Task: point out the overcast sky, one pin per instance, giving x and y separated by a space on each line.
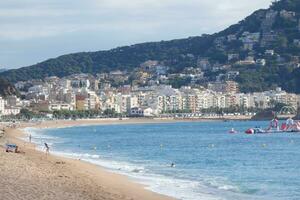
34 30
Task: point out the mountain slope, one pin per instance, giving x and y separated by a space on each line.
123 58
277 28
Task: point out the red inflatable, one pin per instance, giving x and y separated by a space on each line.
249 131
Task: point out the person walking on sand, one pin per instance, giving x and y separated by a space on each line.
29 138
47 148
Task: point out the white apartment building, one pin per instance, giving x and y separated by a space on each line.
219 101
92 100
134 102
62 106
2 106
124 101
13 101
11 111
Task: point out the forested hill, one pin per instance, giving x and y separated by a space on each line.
123 58
275 30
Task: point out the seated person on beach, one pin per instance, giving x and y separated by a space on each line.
17 150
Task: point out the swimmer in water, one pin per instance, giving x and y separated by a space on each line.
173 165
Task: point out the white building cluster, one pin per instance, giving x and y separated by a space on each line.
85 92
10 106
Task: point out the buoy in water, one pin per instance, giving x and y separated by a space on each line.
249 131
232 131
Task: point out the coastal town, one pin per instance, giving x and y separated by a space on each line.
226 81
152 98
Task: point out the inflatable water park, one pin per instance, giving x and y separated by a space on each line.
289 126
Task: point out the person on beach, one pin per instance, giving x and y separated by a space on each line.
47 148
29 138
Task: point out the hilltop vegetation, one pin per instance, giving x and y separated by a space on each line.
122 58
276 29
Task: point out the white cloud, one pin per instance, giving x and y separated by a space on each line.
99 22
69 15
31 12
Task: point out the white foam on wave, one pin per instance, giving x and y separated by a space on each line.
38 133
221 184
180 189
39 137
174 187
98 160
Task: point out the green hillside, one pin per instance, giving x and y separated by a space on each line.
277 29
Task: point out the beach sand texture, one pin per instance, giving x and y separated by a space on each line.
34 176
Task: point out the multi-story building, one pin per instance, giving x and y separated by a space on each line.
13 101
81 102
92 100
80 92
2 105
231 87
60 106
11 111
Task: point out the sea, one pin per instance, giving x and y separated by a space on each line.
209 163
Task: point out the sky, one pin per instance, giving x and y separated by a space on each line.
32 31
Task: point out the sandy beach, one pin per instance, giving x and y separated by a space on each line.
32 175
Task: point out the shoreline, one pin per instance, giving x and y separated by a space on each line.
82 174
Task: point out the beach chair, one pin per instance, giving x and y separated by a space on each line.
11 148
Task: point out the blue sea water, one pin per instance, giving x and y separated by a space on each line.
210 162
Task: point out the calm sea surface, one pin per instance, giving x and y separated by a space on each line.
210 162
